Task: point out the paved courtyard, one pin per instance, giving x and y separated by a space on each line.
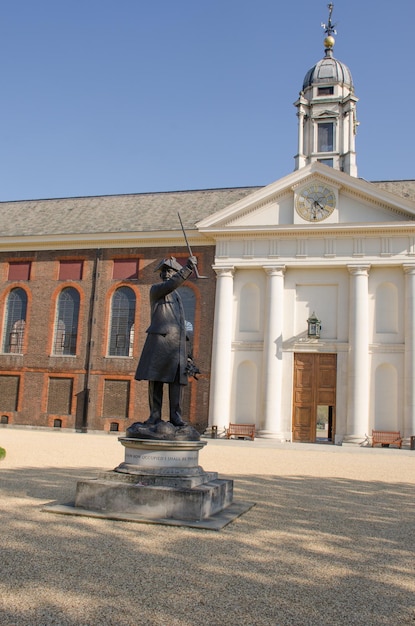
331 540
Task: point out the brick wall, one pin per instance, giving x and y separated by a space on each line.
37 365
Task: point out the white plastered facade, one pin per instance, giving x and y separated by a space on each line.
355 270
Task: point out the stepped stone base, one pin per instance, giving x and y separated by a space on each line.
159 479
159 482
118 493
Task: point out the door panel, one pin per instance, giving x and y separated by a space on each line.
303 396
302 426
314 385
326 397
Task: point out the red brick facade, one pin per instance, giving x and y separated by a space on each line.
40 388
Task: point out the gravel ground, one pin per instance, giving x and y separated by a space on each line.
330 541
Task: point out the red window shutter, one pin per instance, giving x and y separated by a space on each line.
70 270
125 268
19 270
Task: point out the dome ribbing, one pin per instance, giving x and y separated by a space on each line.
328 71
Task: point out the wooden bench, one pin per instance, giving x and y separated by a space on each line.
386 438
241 430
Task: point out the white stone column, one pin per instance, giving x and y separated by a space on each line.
300 160
409 373
349 162
220 375
351 147
300 148
272 375
358 370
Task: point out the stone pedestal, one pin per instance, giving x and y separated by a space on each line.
157 480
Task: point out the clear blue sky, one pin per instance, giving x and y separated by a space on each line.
125 96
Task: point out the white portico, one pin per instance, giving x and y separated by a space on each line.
318 242
357 274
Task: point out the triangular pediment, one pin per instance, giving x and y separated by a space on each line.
358 203
328 113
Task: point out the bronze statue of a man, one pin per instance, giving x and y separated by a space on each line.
164 358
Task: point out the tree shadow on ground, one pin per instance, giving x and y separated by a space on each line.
312 551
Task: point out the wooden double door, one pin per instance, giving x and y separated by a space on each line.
314 394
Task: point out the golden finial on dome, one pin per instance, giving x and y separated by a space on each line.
329 29
329 42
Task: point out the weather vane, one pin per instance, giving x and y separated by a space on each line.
329 28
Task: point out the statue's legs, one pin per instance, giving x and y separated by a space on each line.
175 401
155 401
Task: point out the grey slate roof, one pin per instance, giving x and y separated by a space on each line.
142 212
403 188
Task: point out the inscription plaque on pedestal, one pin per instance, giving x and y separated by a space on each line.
143 453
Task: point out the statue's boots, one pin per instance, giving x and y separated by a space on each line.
178 422
152 421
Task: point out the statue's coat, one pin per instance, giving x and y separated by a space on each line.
165 348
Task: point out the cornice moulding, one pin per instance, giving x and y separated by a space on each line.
103 240
309 231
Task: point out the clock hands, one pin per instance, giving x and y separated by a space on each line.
315 203
317 208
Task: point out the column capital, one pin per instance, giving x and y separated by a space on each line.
274 270
224 271
359 270
409 268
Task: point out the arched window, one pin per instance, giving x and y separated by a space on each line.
189 305
66 324
15 321
122 322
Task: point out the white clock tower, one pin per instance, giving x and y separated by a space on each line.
327 112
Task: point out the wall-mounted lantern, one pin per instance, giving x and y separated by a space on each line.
314 327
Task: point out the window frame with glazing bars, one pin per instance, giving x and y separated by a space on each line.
66 322
122 322
15 321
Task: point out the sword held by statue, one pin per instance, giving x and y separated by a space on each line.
196 271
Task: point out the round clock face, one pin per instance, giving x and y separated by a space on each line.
315 202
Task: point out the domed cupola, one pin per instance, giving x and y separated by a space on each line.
327 112
327 72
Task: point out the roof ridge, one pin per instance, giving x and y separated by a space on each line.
138 193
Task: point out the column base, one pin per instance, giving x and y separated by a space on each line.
275 435
356 440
